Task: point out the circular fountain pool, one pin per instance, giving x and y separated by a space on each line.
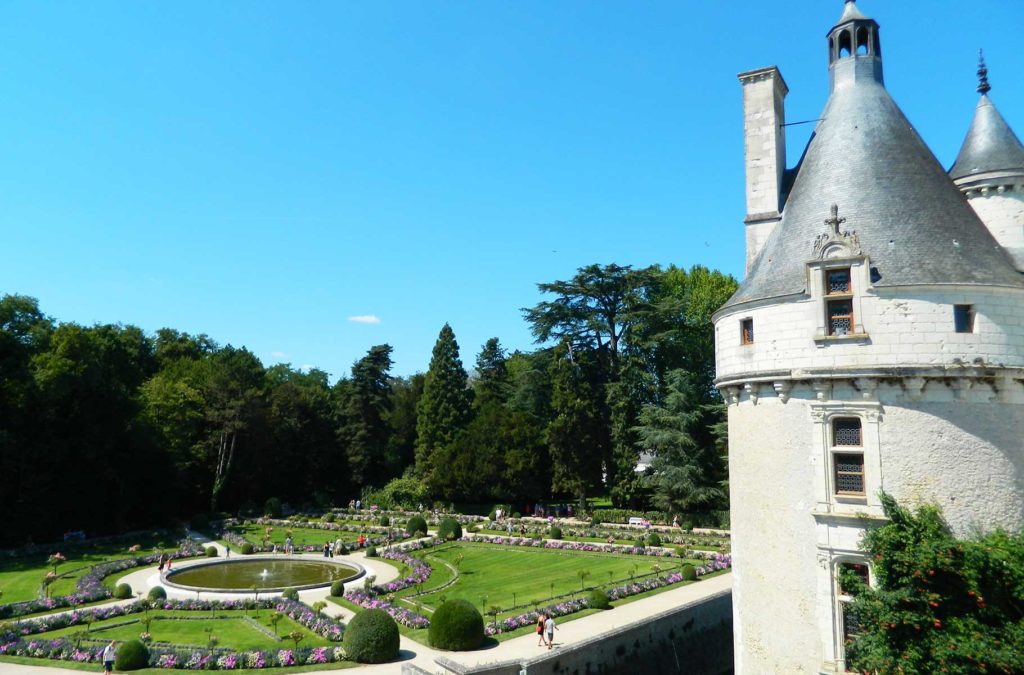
261 574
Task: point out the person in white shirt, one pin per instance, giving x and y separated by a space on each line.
108 657
549 630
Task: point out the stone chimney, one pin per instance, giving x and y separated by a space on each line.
764 141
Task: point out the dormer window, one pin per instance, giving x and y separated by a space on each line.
839 302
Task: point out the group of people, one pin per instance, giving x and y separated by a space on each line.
546 630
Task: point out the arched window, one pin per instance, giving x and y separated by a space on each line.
862 41
845 45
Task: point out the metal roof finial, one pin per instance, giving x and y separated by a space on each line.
983 86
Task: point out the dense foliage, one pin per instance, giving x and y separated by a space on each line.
371 637
449 529
416 525
456 626
226 433
938 604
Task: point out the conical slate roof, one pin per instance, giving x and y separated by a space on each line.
990 145
913 223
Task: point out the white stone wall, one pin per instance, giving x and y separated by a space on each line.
1002 211
959 449
914 329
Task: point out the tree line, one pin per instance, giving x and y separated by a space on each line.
104 427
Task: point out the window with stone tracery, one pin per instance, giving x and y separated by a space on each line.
848 456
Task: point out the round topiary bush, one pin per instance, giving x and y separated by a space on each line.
456 626
157 593
689 573
598 599
272 507
211 552
639 543
416 525
653 539
493 515
122 591
290 594
385 521
371 637
247 549
449 529
338 589
555 533
371 552
131 655
327 517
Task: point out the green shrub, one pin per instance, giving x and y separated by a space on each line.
272 507
122 591
371 637
555 532
681 552
344 550
247 549
416 525
493 515
385 521
689 573
639 543
290 594
131 655
371 552
327 517
598 599
516 515
211 552
472 527
594 522
653 539
449 529
157 593
338 588
456 626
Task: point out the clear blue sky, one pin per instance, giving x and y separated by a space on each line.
262 172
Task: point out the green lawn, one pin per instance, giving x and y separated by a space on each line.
20 578
301 536
508 576
229 627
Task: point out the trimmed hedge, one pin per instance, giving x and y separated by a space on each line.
371 637
653 539
371 552
211 552
131 655
598 599
247 549
456 626
385 521
157 593
688 572
555 532
290 594
338 589
449 529
416 524
122 591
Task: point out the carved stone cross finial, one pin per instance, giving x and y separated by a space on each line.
835 221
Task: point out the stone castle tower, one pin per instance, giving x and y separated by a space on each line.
877 343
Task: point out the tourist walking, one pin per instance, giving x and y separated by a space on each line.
550 628
540 630
227 551
109 653
327 550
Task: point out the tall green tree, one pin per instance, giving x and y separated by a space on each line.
492 378
444 409
578 436
688 474
366 406
405 395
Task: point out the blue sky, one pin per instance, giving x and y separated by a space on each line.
263 172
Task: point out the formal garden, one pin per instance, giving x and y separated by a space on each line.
64 602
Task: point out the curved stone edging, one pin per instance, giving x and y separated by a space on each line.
360 572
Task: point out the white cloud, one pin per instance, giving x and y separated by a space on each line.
278 355
307 367
365 318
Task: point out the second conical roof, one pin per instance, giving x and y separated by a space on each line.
990 145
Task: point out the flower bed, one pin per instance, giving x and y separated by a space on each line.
624 533
558 544
16 640
90 586
406 617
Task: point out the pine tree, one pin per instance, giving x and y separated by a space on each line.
492 381
444 408
366 406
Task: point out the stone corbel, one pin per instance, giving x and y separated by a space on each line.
782 389
914 386
822 390
732 394
866 386
961 386
752 389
